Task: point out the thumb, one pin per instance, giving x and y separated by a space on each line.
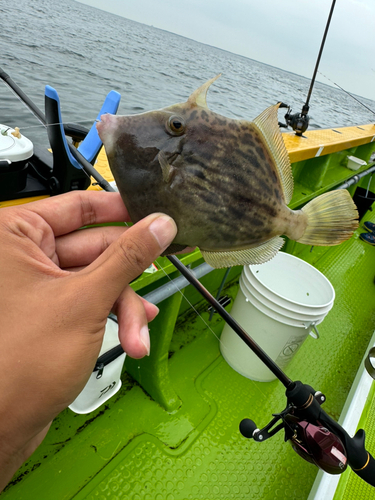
128 256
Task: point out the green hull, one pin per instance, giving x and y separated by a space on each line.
171 432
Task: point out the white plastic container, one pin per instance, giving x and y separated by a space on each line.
278 304
13 148
355 163
105 383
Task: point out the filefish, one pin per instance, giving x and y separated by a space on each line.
225 182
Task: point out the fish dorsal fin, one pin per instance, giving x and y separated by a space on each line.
267 123
257 255
198 98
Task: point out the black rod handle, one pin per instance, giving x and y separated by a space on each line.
359 459
367 472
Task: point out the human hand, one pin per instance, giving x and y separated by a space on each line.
58 286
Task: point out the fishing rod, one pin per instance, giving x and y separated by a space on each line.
314 435
86 166
300 121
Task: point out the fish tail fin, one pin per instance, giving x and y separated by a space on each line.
331 219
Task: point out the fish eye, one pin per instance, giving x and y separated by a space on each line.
175 125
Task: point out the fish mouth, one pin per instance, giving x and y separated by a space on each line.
104 124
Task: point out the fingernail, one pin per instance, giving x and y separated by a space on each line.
164 230
145 338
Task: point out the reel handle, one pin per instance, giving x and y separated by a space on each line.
247 428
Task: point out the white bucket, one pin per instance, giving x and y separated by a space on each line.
278 304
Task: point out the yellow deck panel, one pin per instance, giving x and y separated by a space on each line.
325 141
102 167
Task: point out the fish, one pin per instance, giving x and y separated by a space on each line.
226 182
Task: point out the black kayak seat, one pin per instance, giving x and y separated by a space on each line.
67 173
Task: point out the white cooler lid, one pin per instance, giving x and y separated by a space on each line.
13 148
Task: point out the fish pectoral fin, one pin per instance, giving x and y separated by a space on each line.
167 169
256 255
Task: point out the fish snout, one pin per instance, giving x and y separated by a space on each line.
105 125
107 129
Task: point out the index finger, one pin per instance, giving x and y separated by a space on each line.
70 211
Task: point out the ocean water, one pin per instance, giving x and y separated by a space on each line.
85 52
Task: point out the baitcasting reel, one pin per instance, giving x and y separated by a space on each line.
298 121
313 442
315 436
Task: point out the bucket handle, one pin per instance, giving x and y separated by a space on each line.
314 335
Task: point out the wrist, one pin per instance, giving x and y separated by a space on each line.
15 449
10 461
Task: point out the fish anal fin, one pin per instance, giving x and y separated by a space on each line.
168 170
255 255
267 123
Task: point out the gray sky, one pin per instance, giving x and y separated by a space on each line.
283 33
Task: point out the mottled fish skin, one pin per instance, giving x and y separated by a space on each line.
225 182
219 181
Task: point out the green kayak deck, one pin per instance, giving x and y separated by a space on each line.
132 448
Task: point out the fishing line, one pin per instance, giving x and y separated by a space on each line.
188 301
37 116
346 92
89 120
201 317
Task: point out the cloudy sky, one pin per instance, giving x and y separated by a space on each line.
283 33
